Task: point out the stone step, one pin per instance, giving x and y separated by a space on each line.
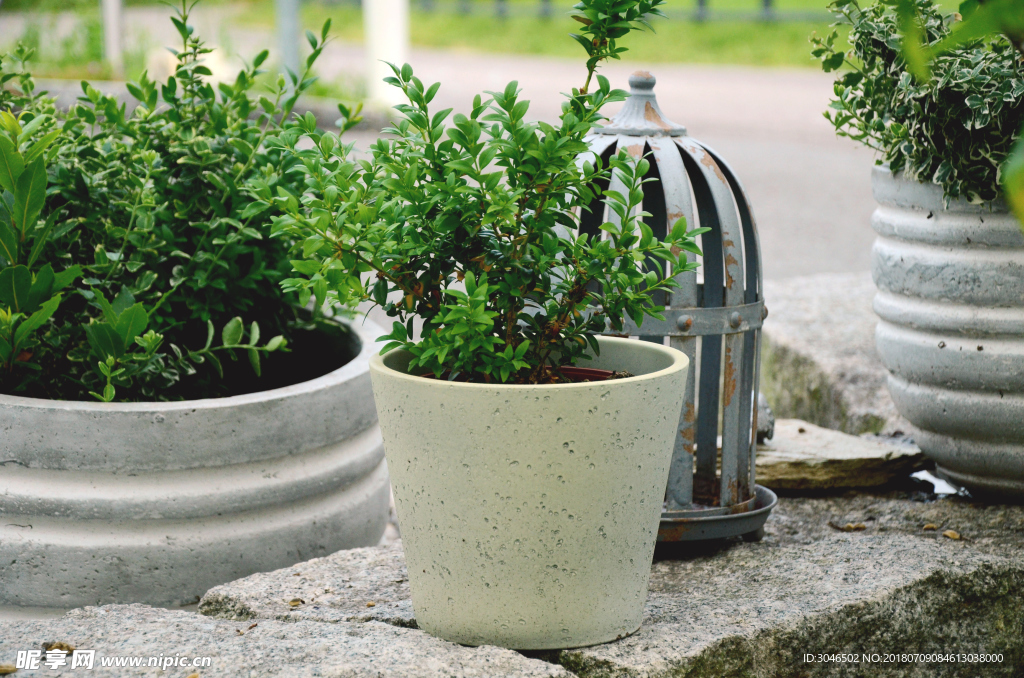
738 609
802 458
301 649
819 362
942 576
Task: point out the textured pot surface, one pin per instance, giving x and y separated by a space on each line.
529 513
158 502
951 302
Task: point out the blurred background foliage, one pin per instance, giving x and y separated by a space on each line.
731 31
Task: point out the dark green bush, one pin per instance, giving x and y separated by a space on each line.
144 222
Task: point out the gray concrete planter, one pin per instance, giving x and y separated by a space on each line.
158 502
951 302
529 513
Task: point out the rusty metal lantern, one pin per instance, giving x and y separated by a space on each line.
715 319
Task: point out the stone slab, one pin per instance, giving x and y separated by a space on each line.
996 529
819 362
802 457
736 609
298 649
337 588
756 610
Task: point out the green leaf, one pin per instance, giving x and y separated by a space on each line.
66 277
275 343
305 266
131 323
35 321
320 292
123 301
679 229
232 332
103 340
11 164
254 334
42 288
311 245
215 361
30 127
8 241
39 147
254 360
41 236
5 351
15 284
108 311
29 195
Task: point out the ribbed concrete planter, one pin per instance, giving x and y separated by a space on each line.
158 502
951 302
529 513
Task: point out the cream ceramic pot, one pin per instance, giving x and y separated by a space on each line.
529 513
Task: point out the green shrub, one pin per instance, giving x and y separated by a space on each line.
135 233
955 130
472 226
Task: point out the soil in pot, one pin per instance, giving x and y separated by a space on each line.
575 375
315 350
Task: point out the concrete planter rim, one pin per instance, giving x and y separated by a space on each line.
338 376
679 362
937 201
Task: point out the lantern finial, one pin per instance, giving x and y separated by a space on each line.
640 115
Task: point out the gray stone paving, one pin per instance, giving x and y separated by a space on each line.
914 576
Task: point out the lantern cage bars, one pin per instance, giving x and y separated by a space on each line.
714 317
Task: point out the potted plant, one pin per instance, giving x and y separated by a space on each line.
949 258
529 456
155 444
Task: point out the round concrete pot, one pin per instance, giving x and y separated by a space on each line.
951 302
529 513
158 502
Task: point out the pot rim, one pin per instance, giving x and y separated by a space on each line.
933 198
366 333
679 362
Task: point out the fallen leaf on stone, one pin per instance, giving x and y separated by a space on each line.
930 526
297 574
252 626
240 632
58 646
801 430
951 534
7 669
295 602
848 527
192 675
371 604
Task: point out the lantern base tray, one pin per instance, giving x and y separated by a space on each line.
697 527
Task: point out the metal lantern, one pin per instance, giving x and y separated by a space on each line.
714 317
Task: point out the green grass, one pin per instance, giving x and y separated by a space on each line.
720 42
749 42
741 42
